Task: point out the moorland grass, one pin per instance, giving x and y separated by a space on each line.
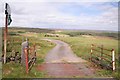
81 46
16 70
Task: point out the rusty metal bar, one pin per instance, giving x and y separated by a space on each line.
26 59
97 55
33 61
104 49
106 59
107 54
96 50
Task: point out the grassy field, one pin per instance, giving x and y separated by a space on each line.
15 70
80 44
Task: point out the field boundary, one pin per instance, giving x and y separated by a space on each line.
29 60
102 56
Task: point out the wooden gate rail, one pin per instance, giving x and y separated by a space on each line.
101 51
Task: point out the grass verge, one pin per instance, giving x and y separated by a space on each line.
16 70
81 47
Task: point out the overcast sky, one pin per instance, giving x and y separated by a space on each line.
102 15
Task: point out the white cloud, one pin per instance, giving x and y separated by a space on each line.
44 14
60 0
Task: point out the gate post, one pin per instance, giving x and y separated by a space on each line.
91 51
113 59
24 45
26 58
101 52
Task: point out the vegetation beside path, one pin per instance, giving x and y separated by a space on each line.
16 70
80 45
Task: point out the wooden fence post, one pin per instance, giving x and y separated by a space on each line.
26 59
34 50
101 52
113 59
5 38
91 52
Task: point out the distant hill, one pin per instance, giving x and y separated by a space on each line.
37 30
72 33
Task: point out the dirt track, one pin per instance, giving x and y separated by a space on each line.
61 53
62 62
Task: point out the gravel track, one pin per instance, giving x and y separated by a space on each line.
62 62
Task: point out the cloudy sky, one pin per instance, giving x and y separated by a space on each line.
102 15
